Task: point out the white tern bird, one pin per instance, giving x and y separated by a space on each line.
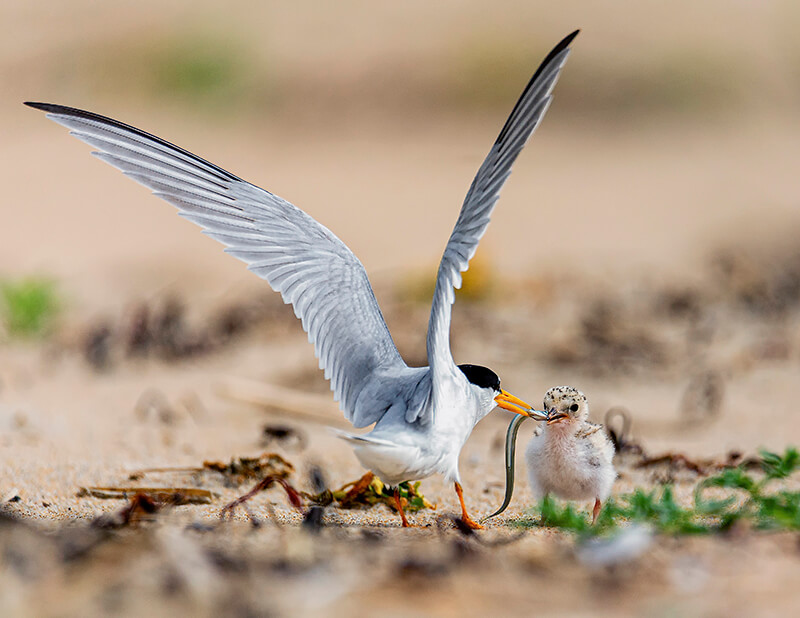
422 416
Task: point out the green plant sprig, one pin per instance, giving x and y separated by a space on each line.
749 501
28 307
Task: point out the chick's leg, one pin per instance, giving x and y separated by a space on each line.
596 510
464 515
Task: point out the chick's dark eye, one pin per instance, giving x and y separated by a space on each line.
574 407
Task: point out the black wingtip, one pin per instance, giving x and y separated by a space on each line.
559 48
42 106
568 39
52 108
63 110
562 45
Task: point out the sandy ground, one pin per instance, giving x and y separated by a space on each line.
66 425
605 273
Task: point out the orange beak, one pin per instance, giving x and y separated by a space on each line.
507 401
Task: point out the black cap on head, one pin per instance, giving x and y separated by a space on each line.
481 376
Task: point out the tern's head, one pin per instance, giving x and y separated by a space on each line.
486 385
566 406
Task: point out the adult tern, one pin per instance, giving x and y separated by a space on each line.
422 415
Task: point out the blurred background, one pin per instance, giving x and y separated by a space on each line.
673 128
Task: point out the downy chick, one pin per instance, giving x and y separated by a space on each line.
570 457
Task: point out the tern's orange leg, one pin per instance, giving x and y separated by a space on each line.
399 506
470 523
595 510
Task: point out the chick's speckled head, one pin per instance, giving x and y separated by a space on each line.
566 403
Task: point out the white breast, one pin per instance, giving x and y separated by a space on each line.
568 467
398 451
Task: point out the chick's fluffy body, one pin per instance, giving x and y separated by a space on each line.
571 458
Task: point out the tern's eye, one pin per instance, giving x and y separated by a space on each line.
574 407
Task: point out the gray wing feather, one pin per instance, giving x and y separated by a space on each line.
397 396
311 268
481 198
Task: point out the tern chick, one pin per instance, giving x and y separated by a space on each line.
568 456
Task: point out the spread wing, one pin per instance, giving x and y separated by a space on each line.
311 268
481 198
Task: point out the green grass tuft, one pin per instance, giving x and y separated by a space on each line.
199 68
780 466
28 307
196 68
658 508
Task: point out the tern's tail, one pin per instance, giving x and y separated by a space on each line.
392 462
359 439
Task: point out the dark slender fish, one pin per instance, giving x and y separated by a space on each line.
511 449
